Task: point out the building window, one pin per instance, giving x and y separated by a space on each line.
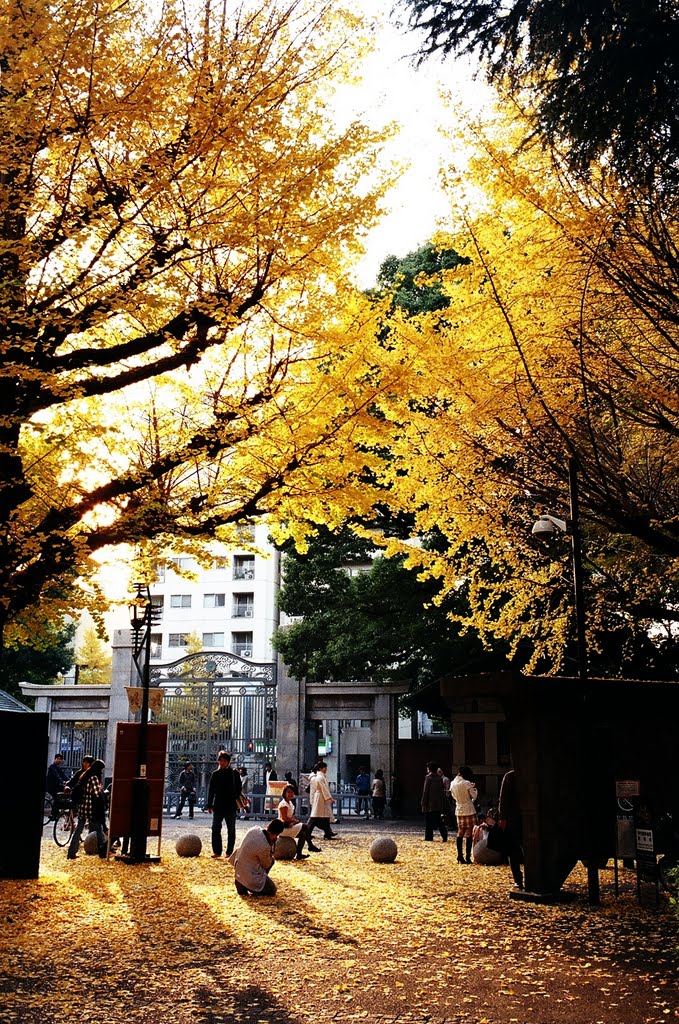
246 532
181 563
213 639
214 600
180 600
475 742
244 567
157 601
241 644
178 639
159 571
243 606
156 645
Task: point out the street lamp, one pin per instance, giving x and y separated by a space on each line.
76 679
548 524
142 617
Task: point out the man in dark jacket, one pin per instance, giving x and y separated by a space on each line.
433 803
57 777
223 791
187 790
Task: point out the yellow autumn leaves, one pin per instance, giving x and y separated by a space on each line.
183 342
345 939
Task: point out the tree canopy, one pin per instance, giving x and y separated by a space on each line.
560 339
413 282
93 655
181 348
601 76
37 664
364 616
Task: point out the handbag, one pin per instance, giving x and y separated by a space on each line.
242 803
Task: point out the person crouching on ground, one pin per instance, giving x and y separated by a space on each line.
482 850
294 828
254 858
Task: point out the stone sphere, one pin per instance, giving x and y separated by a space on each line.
91 843
188 845
383 850
285 848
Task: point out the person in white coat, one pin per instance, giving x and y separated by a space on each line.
254 858
321 802
464 793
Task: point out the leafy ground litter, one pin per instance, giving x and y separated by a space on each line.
422 940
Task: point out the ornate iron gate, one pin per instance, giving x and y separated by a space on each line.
215 701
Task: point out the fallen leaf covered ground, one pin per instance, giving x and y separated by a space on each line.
420 940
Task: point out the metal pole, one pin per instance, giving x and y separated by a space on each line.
140 786
578 589
586 742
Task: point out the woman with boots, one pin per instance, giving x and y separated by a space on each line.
294 828
464 793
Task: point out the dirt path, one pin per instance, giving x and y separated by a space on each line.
420 940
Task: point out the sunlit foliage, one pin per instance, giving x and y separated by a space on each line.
560 340
180 347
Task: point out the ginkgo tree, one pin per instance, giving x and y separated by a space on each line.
180 345
560 340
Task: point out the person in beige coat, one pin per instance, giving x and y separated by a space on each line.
254 858
321 802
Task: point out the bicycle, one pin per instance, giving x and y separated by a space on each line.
64 826
47 809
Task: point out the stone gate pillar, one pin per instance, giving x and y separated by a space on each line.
290 718
123 673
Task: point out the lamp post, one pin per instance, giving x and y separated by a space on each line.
547 524
76 679
141 620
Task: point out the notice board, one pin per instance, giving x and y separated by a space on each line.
125 771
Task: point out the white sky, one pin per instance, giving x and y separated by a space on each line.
396 90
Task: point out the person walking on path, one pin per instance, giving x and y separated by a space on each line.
321 802
187 790
433 804
379 795
254 858
90 804
294 828
363 792
244 804
464 793
223 791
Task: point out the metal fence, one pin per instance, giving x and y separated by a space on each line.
76 739
213 702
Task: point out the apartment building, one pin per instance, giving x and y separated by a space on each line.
231 606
